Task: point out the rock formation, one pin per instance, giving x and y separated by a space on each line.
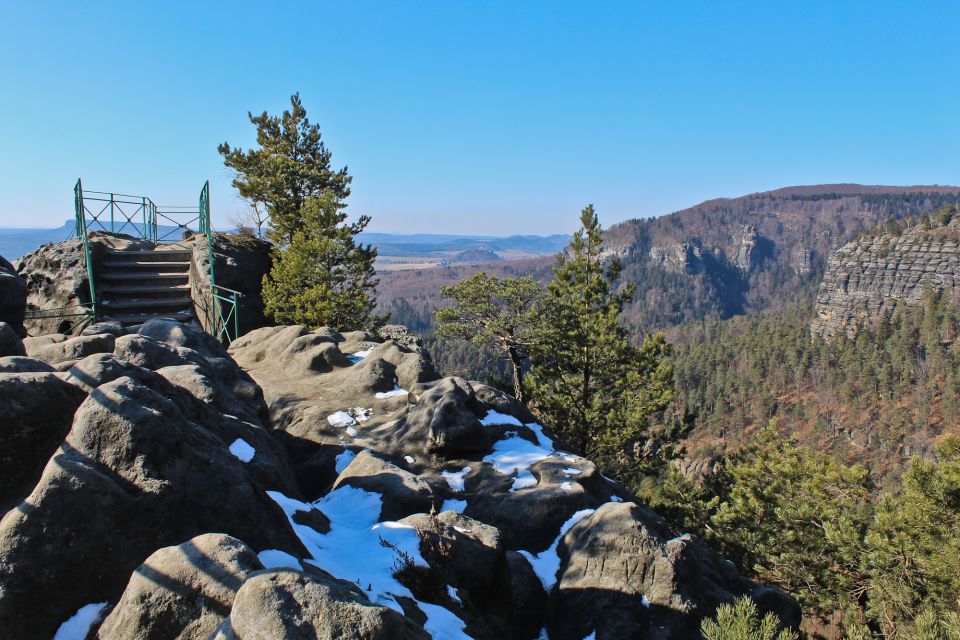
315 484
870 276
13 297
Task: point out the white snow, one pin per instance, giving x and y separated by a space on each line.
78 625
352 549
513 453
360 414
242 450
351 432
542 439
495 417
571 471
567 486
592 636
344 459
524 480
359 355
546 563
442 624
409 459
396 391
455 478
645 602
616 499
454 595
453 505
340 419
276 559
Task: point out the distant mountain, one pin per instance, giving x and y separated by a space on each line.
15 242
479 255
432 245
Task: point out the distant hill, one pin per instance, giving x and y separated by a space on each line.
479 255
15 241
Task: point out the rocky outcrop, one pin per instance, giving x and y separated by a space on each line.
682 257
13 297
867 278
240 262
318 484
743 243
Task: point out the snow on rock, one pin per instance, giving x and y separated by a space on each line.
396 391
359 355
524 480
242 450
360 414
442 624
455 478
78 625
352 549
546 563
276 559
592 636
567 486
514 454
453 505
409 459
454 595
495 417
344 459
341 419
571 471
544 441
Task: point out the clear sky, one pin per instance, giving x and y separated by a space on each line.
480 117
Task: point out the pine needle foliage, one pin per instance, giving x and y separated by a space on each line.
742 621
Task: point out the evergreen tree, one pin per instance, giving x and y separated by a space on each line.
494 311
587 381
913 546
741 621
323 278
291 165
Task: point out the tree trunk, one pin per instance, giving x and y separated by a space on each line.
517 374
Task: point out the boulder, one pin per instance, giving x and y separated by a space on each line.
22 364
10 342
276 605
143 467
623 575
36 410
72 349
101 368
182 592
13 297
112 327
403 492
527 597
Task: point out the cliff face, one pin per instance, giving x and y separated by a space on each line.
869 277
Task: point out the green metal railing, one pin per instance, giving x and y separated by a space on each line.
138 216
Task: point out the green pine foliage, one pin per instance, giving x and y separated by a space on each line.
291 165
742 621
323 277
587 381
497 311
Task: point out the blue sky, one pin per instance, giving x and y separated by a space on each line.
469 117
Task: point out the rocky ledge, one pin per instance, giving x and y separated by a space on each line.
313 484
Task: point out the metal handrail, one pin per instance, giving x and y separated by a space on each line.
223 313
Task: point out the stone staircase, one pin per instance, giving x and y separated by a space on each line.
136 286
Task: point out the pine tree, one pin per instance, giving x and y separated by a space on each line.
587 381
323 278
291 165
491 310
741 621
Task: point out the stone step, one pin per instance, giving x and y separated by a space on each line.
152 265
146 305
145 290
128 319
130 277
159 255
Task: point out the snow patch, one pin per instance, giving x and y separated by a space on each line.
645 602
616 499
359 355
455 478
571 471
542 439
567 486
453 505
546 563
524 480
242 450
276 559
344 459
514 454
592 636
409 459
442 624
495 417
396 391
454 595
340 419
77 626
360 414
351 432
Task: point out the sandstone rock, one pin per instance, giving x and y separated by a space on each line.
140 469
101 368
10 343
528 599
73 348
182 592
403 492
22 364
623 559
36 410
277 605
112 327
13 297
